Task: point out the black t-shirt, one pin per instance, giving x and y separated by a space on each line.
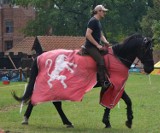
96 27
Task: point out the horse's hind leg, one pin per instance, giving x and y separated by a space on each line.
32 79
65 120
105 119
128 102
27 113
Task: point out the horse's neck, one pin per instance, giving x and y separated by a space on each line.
127 61
125 55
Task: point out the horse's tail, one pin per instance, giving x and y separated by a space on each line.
49 61
28 93
19 99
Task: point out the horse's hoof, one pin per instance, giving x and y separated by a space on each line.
69 126
7 131
128 124
108 126
24 123
107 123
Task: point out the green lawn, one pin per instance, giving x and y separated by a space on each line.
86 115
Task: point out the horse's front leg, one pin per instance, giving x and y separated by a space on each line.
128 102
65 120
105 119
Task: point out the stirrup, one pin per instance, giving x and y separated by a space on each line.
106 84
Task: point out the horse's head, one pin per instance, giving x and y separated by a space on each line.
145 54
136 46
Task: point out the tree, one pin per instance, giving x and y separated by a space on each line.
156 34
149 19
64 17
124 17
70 17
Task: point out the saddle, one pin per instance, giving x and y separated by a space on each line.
83 51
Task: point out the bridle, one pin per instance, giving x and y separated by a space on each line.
145 43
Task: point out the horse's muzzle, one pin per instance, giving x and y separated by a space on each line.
148 68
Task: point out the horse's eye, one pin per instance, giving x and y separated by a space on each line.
145 40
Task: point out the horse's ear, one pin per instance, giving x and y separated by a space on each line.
152 39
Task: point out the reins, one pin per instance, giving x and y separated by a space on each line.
143 57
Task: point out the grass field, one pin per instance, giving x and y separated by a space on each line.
86 115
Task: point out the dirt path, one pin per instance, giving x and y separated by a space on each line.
9 108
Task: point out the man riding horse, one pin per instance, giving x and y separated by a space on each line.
94 36
81 78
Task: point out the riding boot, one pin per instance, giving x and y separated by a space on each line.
105 83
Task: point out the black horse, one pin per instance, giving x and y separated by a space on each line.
134 46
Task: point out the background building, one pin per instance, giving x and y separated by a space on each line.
12 21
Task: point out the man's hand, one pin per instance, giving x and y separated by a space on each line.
107 43
100 47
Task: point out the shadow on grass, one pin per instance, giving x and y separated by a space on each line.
63 129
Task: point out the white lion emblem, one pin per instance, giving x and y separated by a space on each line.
60 65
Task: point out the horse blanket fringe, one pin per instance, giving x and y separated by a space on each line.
65 75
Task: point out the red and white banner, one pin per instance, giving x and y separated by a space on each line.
65 75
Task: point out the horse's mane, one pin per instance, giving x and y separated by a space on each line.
128 42
136 35
128 48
